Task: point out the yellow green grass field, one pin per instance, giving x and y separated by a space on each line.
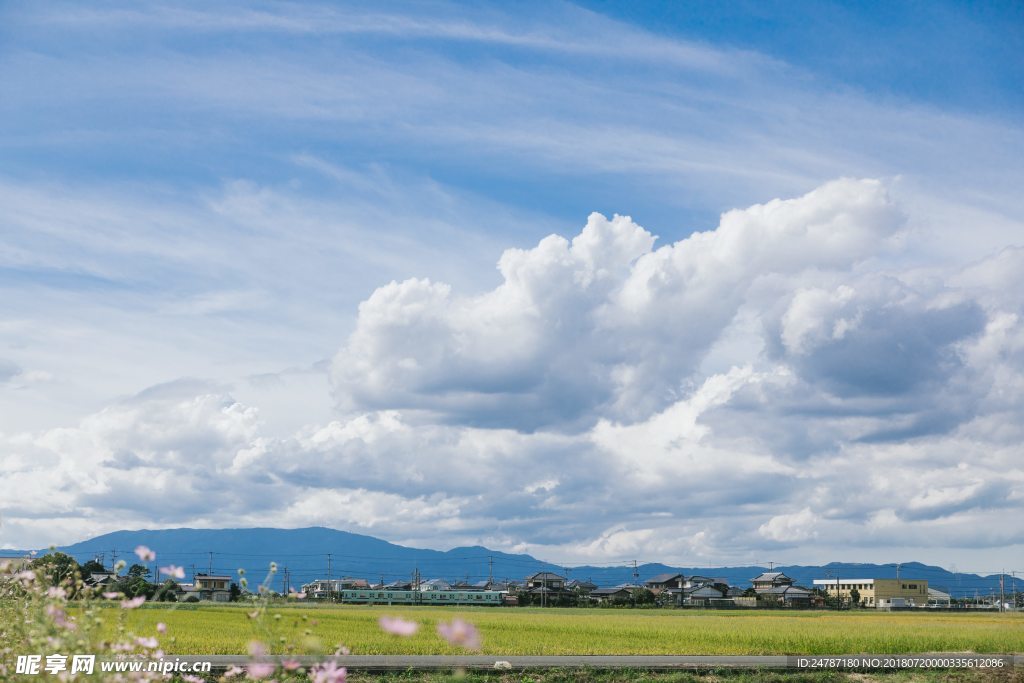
209 629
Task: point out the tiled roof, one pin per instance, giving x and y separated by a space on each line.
664 578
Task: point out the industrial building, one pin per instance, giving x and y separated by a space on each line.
878 592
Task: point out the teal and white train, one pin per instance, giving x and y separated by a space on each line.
372 596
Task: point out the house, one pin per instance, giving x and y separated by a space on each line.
661 582
398 586
616 594
585 587
698 581
878 592
323 588
496 585
768 580
184 591
467 587
213 587
435 585
547 580
101 580
787 596
701 596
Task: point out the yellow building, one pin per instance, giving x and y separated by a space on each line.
878 592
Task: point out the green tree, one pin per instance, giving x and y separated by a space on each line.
57 567
235 592
92 567
138 571
855 597
134 585
167 592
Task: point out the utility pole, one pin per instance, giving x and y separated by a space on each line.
113 559
211 563
1002 576
771 566
328 571
490 571
636 573
897 571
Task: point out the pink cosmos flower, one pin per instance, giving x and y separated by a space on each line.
232 672
59 617
192 679
56 592
145 554
398 626
173 571
257 649
161 627
290 664
296 594
114 595
133 603
328 673
342 651
148 643
460 633
259 670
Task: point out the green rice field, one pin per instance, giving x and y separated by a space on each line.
212 629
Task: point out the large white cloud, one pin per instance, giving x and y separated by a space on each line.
602 325
572 411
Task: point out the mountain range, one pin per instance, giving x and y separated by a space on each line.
303 555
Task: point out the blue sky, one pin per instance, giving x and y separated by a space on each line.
204 207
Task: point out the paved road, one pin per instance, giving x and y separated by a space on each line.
645 662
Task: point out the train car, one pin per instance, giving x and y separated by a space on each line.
383 596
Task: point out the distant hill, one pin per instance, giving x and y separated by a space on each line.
309 553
